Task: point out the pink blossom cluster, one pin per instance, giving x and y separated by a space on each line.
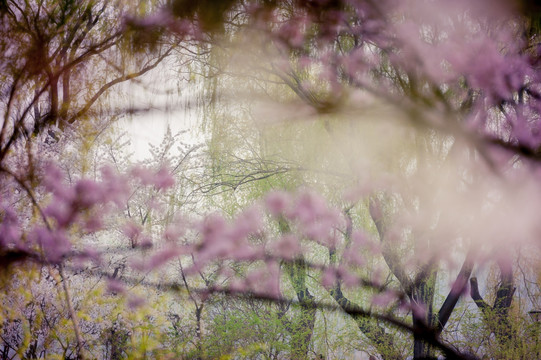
466 64
81 205
161 179
69 202
223 240
315 219
249 238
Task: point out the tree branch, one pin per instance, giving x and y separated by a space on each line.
456 292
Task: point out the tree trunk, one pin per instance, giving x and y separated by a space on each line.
303 327
198 333
423 296
496 317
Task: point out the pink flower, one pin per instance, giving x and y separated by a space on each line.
175 231
377 277
90 253
384 299
93 223
288 247
348 278
353 256
237 285
272 287
53 179
245 252
329 278
115 186
55 245
163 179
248 222
310 205
292 31
132 230
115 287
62 212
145 242
138 264
88 193
277 202
213 229
163 256
265 281
145 175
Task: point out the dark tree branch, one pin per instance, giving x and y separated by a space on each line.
496 317
456 292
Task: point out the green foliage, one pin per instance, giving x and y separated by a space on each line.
245 332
